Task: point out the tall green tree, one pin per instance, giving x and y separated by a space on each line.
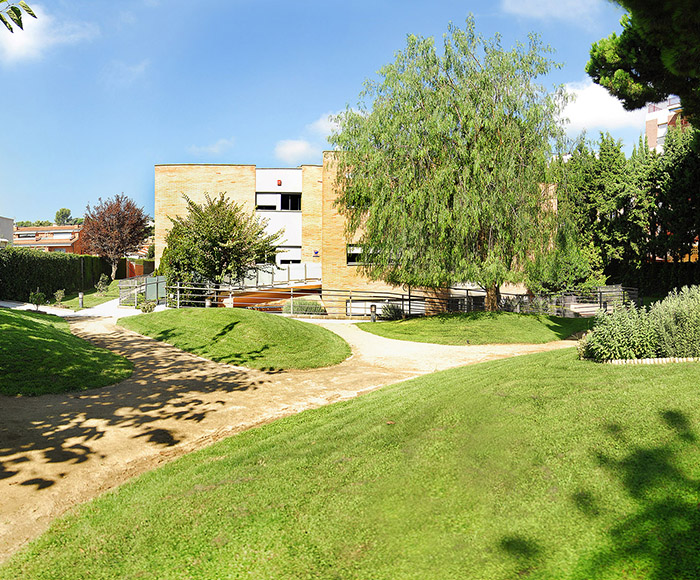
216 240
677 180
656 55
440 166
11 13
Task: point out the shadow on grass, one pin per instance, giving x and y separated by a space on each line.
525 553
62 428
661 540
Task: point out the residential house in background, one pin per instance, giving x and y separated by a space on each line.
64 239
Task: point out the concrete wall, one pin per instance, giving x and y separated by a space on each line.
7 226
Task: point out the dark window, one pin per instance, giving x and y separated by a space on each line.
265 207
283 262
353 255
291 201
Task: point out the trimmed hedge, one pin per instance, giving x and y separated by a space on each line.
23 271
670 328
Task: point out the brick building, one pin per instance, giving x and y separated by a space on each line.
64 239
300 200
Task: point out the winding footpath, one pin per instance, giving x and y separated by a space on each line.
58 451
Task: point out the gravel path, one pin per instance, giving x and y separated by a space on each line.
57 451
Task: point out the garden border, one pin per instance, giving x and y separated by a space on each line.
652 361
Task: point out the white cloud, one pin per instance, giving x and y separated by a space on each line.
119 74
41 34
217 148
323 126
579 11
595 109
297 151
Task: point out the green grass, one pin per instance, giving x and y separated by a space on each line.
243 337
39 355
480 328
542 467
90 297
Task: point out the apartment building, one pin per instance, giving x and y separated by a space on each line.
660 117
64 239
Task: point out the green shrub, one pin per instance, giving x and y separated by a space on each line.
623 334
671 328
37 298
676 320
391 311
102 285
148 306
59 295
304 307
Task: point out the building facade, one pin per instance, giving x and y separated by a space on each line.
65 239
7 226
660 117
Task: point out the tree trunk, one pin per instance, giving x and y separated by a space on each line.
115 265
493 297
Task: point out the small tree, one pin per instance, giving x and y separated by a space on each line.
216 239
441 177
114 228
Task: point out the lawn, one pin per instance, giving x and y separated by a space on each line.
91 297
243 337
39 355
539 466
480 328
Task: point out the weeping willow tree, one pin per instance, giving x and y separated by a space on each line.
440 166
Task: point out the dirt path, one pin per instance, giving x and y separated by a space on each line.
57 451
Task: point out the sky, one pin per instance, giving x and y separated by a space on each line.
96 92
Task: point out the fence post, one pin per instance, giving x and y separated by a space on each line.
178 294
409 301
350 303
292 306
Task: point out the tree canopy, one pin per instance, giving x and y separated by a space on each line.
114 228
656 55
11 13
63 217
216 240
441 165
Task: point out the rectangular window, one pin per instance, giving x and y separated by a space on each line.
283 262
291 202
265 208
353 255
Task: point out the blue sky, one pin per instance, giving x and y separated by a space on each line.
95 92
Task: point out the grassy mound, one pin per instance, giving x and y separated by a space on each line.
243 337
480 328
91 297
539 466
39 355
